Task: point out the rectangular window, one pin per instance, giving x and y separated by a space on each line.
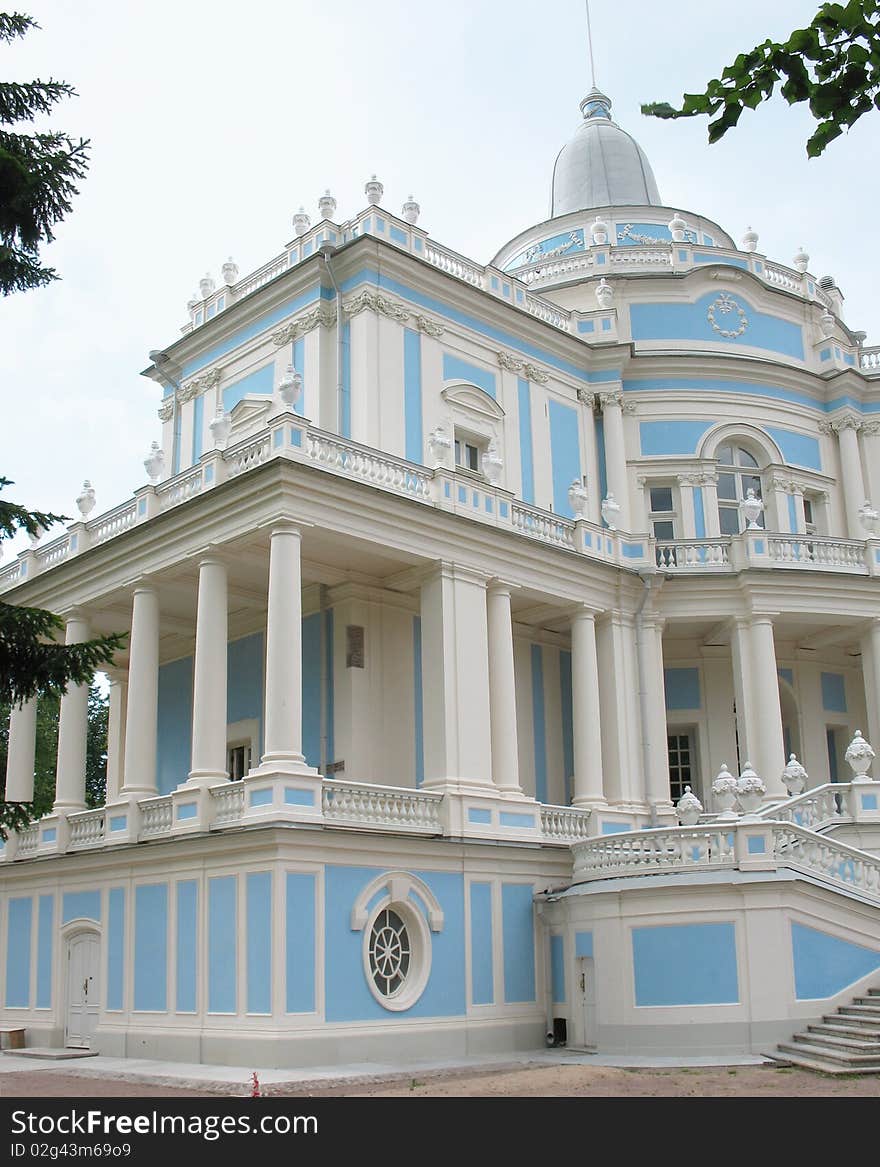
682 764
467 453
238 760
662 517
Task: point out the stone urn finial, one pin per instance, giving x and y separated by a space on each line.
688 808
327 205
869 519
290 387
749 790
610 511
154 463
677 227
374 191
750 240
192 303
206 285
794 776
411 210
492 463
86 500
859 755
724 793
439 445
599 231
801 260
220 425
301 222
577 498
604 294
229 271
750 508
827 324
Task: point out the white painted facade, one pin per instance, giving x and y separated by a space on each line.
446 581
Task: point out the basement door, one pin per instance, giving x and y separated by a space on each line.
587 998
83 989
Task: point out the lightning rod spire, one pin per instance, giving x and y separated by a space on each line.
590 44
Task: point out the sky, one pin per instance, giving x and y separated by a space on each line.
211 122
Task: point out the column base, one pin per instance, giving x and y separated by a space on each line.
122 817
292 794
199 778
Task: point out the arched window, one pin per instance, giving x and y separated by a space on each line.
738 472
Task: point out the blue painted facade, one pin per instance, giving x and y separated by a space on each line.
299 957
456 369
259 941
685 964
45 949
261 381
666 321
539 727
174 738
565 453
412 394
116 948
19 921
557 969
527 465
151 947
222 944
833 692
682 688
519 942
482 970
825 965
659 438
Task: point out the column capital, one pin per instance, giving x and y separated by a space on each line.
612 397
497 586
849 421
584 612
285 525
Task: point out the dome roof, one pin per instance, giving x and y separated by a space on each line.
602 166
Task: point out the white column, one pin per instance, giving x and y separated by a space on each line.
21 752
502 690
871 676
585 711
455 681
591 456
768 747
116 714
851 472
871 445
746 704
73 719
615 455
653 710
209 684
283 733
618 691
142 716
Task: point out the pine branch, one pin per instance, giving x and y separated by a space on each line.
23 101
15 518
13 24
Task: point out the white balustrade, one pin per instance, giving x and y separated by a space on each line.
631 257
229 803
86 829
653 851
180 488
247 455
869 359
356 461
547 312
261 276
693 554
564 823
804 850
10 575
817 551
356 804
53 553
454 265
112 523
783 277
156 816
28 840
543 525
552 270
814 809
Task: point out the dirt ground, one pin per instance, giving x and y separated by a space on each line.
525 1082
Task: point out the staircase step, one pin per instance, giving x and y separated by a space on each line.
859 1013
858 1045
814 1063
869 1001
835 1026
822 1053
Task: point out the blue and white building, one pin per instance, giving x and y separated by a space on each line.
448 580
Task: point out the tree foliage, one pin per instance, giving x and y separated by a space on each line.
38 172
833 65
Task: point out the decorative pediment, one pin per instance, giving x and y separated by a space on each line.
473 400
252 409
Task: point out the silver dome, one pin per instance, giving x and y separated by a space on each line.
602 166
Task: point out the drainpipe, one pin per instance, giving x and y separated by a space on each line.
323 703
327 249
549 1033
162 361
652 582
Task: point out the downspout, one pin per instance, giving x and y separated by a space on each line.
540 910
322 649
652 582
326 250
159 359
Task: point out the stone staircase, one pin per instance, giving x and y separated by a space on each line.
845 1042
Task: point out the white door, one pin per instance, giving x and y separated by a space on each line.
83 989
587 993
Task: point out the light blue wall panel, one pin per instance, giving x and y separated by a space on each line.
455 369
833 693
526 453
797 449
412 394
682 688
418 702
174 753
599 424
565 454
261 381
116 948
699 513
519 942
792 514
76 905
311 688
151 947
258 891
347 996
18 952
539 723
824 965
45 931
666 321
583 944
222 929
482 979
685 964
244 690
658 438
299 363
346 380
299 916
187 944
557 969
329 685
198 423
567 728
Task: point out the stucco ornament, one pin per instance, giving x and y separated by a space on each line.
827 323
610 511
290 387
869 519
749 789
794 776
577 499
206 285
859 755
154 463
604 294
229 271
750 240
411 210
439 445
599 231
677 228
86 499
301 221
725 311
751 507
374 191
688 808
801 260
724 793
327 205
492 463
220 425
